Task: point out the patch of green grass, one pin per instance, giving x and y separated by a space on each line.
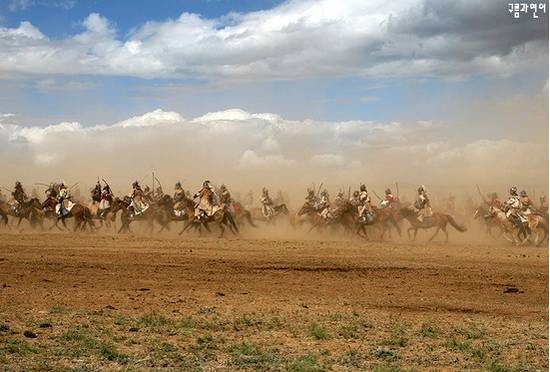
495 366
318 332
204 347
110 352
458 345
251 355
386 354
470 332
306 363
400 341
386 368
17 347
350 331
354 359
153 320
428 330
59 309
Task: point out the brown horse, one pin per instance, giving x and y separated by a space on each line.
243 215
82 215
437 220
222 217
385 218
29 210
166 212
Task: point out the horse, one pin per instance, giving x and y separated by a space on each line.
28 209
437 220
222 217
82 215
382 217
279 209
168 207
128 215
242 214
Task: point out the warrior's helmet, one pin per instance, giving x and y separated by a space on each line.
222 187
421 189
264 191
388 191
310 192
363 187
17 184
206 184
324 193
514 191
135 184
178 185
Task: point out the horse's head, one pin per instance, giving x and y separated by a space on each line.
307 208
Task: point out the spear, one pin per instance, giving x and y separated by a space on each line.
76 184
319 190
397 188
375 194
479 191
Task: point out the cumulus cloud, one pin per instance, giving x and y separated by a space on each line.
254 149
296 39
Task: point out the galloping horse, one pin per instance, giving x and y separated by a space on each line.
278 210
82 215
218 215
437 220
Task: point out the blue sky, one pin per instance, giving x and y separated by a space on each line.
45 98
421 90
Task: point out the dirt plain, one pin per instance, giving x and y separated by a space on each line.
101 301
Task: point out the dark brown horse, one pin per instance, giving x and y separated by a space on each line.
243 215
29 210
81 214
222 217
437 220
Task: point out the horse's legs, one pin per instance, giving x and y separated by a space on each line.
415 232
435 234
409 232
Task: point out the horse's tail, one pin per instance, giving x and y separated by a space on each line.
248 218
3 218
456 225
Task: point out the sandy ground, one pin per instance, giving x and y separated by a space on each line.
138 303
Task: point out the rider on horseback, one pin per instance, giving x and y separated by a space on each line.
105 200
512 207
422 204
96 193
19 197
365 207
267 204
206 203
324 205
339 200
312 199
138 197
64 200
388 199
225 198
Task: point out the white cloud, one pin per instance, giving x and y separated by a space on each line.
244 148
297 39
250 160
328 160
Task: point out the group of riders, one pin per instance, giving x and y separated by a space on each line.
209 199
517 208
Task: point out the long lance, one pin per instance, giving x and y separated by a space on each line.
397 188
41 184
480 193
76 184
349 192
160 185
375 194
319 189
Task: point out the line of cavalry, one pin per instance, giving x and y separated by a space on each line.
517 219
